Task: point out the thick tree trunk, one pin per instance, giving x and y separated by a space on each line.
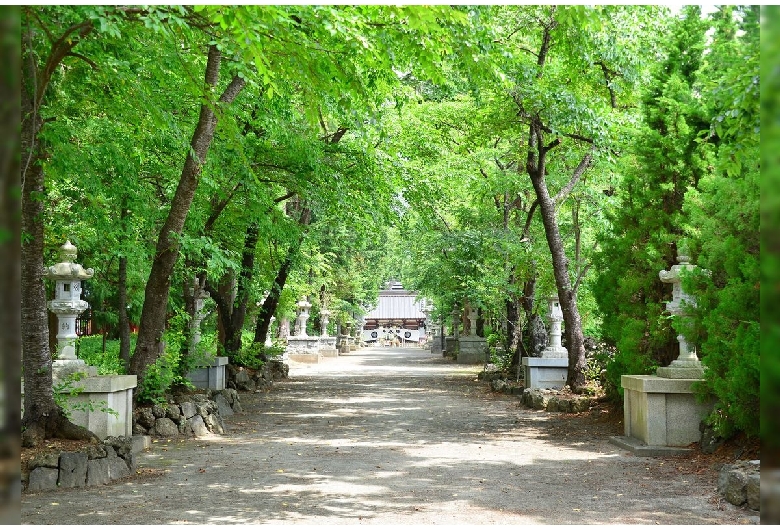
232 312
575 342
153 313
10 247
42 417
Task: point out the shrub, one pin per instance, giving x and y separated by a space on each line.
90 350
168 370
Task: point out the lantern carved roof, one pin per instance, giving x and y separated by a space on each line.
67 269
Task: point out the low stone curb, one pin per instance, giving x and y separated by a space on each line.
740 483
553 401
95 465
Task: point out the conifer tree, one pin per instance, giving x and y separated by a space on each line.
647 224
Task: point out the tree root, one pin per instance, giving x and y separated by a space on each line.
53 425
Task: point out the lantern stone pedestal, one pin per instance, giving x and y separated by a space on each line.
551 369
436 348
450 347
96 401
304 349
545 373
661 412
210 375
101 403
472 350
661 416
328 347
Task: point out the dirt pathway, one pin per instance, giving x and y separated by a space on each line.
393 436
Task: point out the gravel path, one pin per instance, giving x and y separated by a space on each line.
393 436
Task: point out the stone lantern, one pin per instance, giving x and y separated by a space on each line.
303 317
687 364
361 323
268 342
472 316
662 412
68 305
455 322
87 405
199 296
551 369
324 318
554 349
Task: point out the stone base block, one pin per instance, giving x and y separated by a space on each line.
680 372
302 346
662 412
436 346
450 347
639 448
472 350
310 358
103 404
329 352
541 372
212 376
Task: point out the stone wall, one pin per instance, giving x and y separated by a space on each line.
93 466
552 401
188 414
251 380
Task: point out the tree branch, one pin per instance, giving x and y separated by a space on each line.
232 90
218 208
580 277
584 163
284 197
528 218
609 74
83 58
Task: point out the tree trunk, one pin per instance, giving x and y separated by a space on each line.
124 320
10 247
512 324
272 300
232 312
152 324
575 342
43 418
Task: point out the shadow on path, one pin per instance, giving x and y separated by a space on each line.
391 436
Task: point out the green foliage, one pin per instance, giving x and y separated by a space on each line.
622 363
170 368
252 353
770 230
90 350
646 223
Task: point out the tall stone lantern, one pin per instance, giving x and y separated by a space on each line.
303 317
199 296
662 411
88 407
550 370
324 319
554 349
67 305
687 365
